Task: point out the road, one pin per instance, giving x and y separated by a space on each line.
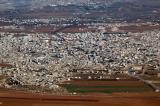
156 88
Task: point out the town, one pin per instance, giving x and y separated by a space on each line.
47 58
79 52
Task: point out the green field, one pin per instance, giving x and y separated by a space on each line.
105 89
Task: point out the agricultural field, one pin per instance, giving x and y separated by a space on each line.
104 86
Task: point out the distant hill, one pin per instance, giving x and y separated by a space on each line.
136 9
18 4
118 9
40 3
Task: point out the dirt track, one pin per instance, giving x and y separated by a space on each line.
16 98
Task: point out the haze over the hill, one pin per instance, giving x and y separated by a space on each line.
12 4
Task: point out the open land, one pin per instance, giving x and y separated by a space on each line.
15 98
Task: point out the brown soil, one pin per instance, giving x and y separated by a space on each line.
5 65
140 28
49 30
17 98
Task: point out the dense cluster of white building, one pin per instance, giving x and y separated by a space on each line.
46 60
